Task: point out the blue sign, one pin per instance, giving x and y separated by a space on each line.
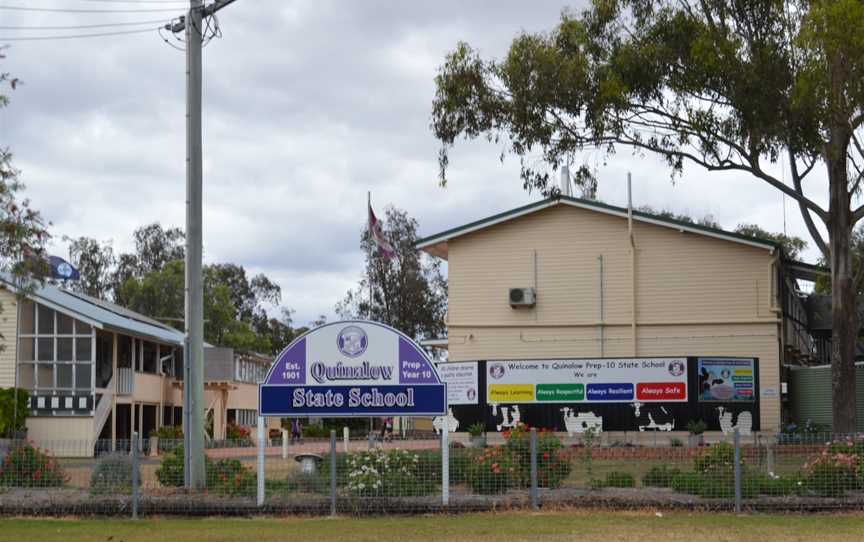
354 368
610 392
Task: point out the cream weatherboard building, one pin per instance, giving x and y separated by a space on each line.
95 372
610 286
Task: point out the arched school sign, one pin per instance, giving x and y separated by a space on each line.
353 368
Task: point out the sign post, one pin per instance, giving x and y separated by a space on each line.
355 369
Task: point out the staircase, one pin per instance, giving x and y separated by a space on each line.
103 410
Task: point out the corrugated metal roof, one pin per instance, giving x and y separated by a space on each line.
101 313
437 244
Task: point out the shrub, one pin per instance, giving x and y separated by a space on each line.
687 482
225 476
620 479
676 443
170 472
238 434
28 466
391 473
476 429
696 427
303 482
660 476
169 437
317 431
230 477
721 454
832 474
775 486
112 474
553 463
494 470
13 411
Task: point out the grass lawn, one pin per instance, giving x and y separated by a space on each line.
510 526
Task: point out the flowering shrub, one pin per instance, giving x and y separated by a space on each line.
230 477
225 477
391 473
494 470
28 466
238 434
553 464
838 469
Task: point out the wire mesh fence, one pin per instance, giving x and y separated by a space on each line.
517 468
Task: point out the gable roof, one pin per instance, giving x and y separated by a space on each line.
436 245
96 312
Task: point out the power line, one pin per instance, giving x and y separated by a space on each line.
82 26
67 10
183 2
74 36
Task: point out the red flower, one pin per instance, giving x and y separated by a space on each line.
545 455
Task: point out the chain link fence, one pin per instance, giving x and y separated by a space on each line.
521 468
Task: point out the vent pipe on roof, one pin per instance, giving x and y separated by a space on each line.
565 181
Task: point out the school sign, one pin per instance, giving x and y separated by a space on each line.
353 368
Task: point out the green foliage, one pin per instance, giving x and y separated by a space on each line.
687 482
660 476
13 417
553 463
27 466
171 471
494 470
696 427
837 469
676 443
409 290
302 482
169 436
391 473
238 435
112 474
230 477
792 245
619 479
224 477
477 429
721 454
724 86
775 486
317 431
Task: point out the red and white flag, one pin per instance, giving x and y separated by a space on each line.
377 235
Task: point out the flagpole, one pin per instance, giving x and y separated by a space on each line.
369 231
369 276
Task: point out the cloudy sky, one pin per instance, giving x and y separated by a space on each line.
308 104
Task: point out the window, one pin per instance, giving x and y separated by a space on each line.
148 360
46 321
28 317
54 350
124 351
243 416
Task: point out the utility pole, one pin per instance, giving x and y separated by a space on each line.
193 387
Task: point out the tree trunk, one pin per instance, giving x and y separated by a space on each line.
844 299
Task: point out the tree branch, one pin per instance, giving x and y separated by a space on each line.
805 213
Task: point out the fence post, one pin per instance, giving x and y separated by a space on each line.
332 472
284 444
261 444
135 481
535 504
737 441
445 463
346 437
769 455
371 439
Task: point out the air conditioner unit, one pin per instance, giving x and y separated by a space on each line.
522 297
